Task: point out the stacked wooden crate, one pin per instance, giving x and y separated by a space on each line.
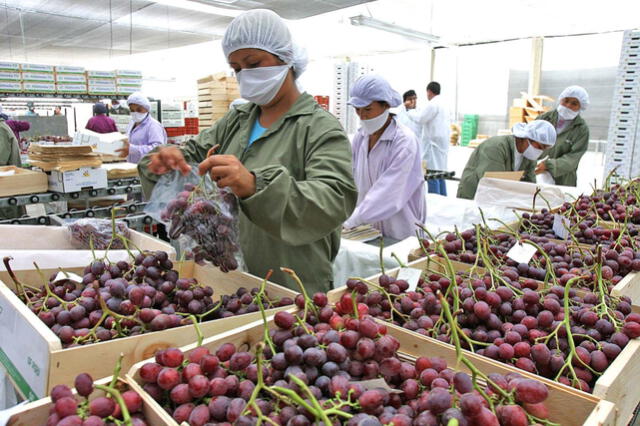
527 108
215 93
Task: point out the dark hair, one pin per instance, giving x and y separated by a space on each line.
434 87
408 94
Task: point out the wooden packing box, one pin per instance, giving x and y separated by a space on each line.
585 409
36 413
22 181
34 357
613 385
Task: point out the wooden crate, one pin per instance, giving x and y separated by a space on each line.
34 357
36 413
22 181
585 409
612 386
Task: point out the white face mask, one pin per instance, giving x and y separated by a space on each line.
261 85
374 124
532 153
566 113
138 116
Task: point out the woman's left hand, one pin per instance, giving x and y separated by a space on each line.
124 151
541 168
227 170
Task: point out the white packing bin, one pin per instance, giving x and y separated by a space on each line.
71 78
76 180
39 87
37 68
60 69
10 76
104 143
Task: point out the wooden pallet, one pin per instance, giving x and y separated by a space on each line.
585 409
613 386
60 366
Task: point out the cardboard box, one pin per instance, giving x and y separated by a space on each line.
76 180
71 78
71 88
102 90
6 86
101 82
173 123
16 181
39 87
10 66
129 82
128 73
127 90
101 74
69 70
43 77
37 68
172 115
10 76
104 143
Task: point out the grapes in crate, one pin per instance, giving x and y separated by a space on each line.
206 218
113 300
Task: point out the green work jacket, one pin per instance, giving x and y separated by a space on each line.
304 188
496 154
9 149
570 146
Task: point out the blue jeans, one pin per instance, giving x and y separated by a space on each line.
437 186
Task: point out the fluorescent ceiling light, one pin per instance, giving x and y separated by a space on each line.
366 21
200 7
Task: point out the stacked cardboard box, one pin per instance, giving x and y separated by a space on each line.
101 83
71 80
215 93
128 81
527 108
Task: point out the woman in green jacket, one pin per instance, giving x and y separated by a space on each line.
511 153
287 160
573 137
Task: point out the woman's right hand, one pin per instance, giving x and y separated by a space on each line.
167 159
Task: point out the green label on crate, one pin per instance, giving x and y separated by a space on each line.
22 385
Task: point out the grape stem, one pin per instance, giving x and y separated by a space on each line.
22 294
118 397
308 303
258 299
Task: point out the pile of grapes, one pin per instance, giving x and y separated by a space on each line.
508 320
314 372
207 217
123 299
71 410
618 204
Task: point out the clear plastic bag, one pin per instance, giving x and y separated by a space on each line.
99 232
201 218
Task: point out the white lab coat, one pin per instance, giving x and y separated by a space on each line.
403 118
434 119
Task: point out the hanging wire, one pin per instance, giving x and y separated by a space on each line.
130 27
110 28
24 42
9 37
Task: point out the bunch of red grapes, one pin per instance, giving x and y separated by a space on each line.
326 359
207 217
71 410
509 320
121 299
618 204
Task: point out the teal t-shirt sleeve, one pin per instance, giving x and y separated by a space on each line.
256 131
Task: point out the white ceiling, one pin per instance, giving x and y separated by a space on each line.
107 28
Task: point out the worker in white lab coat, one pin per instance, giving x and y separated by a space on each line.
409 101
434 119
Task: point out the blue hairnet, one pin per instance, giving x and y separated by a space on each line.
138 98
576 92
372 87
539 131
263 29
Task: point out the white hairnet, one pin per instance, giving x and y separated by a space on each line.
264 29
372 87
539 131
576 92
139 99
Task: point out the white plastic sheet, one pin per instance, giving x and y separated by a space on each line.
519 195
357 259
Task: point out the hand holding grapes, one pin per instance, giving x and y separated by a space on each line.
167 159
227 170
